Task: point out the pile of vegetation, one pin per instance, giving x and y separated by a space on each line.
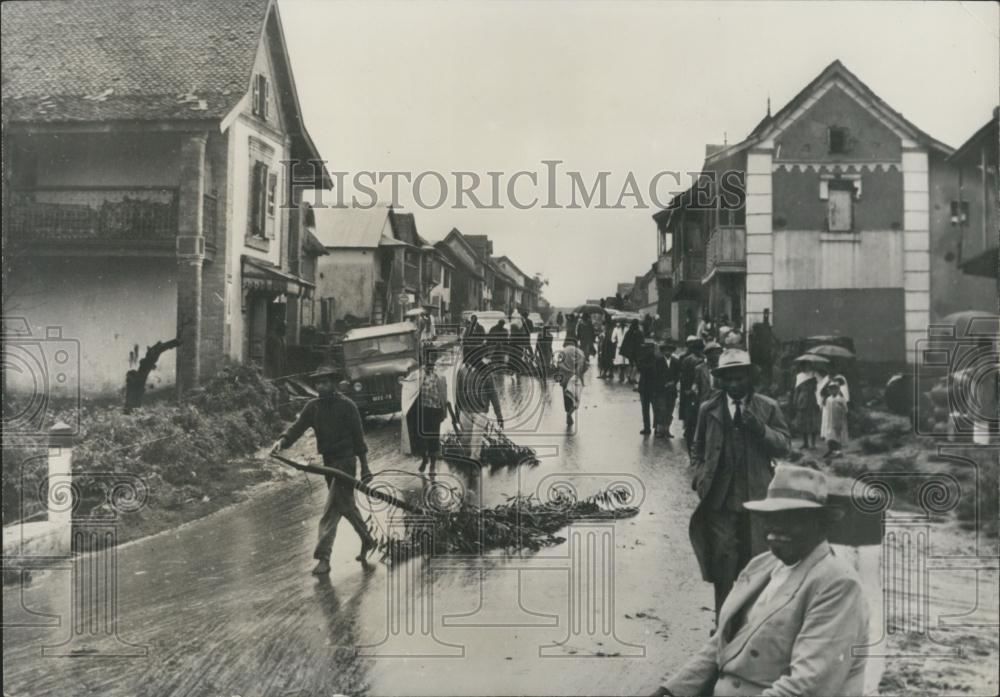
523 522
176 448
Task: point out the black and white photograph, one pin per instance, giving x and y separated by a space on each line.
371 348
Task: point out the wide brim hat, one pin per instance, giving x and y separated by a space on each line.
795 488
325 371
732 359
713 346
693 340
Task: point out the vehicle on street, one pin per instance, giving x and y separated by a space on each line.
374 360
489 318
536 321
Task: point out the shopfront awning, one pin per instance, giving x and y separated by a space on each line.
261 276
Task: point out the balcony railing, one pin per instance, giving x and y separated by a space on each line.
91 215
727 251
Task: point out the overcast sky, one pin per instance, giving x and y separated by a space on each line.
604 86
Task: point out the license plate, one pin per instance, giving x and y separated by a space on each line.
381 398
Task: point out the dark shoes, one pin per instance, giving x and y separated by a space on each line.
322 568
644 432
423 464
366 547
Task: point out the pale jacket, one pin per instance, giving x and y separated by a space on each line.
802 640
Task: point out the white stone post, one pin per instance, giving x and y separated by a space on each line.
916 248
759 236
60 493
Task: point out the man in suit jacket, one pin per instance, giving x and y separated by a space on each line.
738 434
668 373
791 624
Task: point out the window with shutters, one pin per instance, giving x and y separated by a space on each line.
259 97
271 204
259 178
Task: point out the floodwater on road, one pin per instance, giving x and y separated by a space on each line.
227 606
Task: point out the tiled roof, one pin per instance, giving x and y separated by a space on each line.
97 60
404 225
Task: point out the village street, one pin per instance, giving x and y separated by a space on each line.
226 605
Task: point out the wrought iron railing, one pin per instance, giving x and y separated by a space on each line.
94 214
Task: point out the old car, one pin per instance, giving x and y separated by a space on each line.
375 358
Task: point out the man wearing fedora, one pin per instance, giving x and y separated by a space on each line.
738 435
796 612
340 439
688 410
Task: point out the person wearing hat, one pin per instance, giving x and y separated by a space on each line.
668 372
690 361
704 383
649 388
340 439
474 336
738 435
797 612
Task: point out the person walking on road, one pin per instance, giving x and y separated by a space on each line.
649 389
704 382
688 394
571 366
559 321
474 336
475 393
585 336
808 414
544 351
792 622
738 435
668 370
340 439
630 349
432 405
618 339
606 350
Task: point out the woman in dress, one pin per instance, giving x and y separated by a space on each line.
833 427
618 339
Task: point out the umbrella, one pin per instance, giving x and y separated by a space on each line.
811 358
965 320
831 351
416 312
588 308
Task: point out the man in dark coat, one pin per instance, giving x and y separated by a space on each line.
764 349
668 373
646 361
474 336
739 433
688 396
340 439
585 336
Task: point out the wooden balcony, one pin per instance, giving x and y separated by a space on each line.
691 267
727 252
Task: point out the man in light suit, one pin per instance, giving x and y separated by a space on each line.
795 614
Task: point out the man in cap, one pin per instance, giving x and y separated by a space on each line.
739 432
704 383
689 399
797 611
340 439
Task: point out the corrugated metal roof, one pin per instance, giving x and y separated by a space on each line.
351 227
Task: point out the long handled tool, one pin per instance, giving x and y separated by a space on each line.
359 485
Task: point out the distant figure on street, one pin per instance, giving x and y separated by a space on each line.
630 349
275 351
544 350
618 339
738 435
559 321
724 329
520 348
606 350
668 373
430 409
340 439
797 613
647 326
474 336
497 340
833 424
585 336
571 322
808 413
706 328
690 324
688 392
572 365
704 382
764 349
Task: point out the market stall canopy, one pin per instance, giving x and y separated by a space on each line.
416 312
588 309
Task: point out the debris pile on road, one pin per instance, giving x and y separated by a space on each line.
524 522
497 451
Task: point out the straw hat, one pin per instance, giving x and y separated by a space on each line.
795 488
731 359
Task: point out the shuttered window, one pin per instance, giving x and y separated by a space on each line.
840 209
258 199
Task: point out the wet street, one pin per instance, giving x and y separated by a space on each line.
226 605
